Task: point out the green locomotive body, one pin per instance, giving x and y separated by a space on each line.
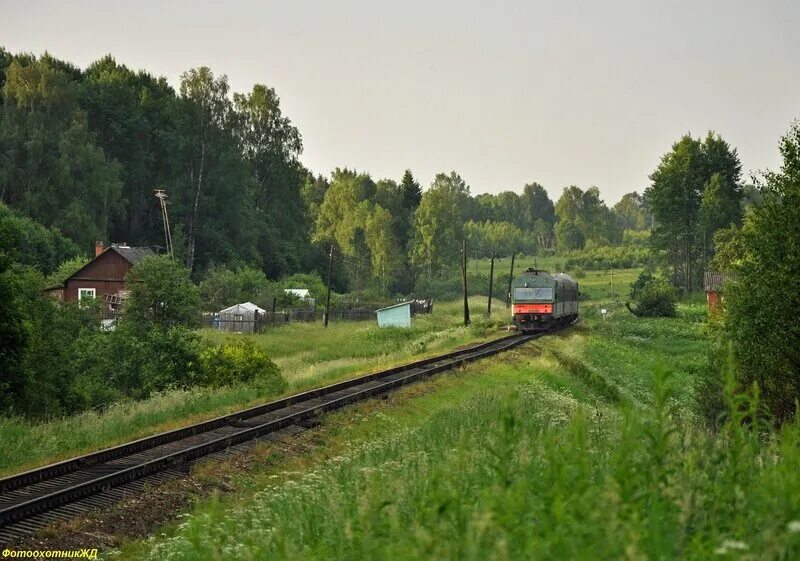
541 301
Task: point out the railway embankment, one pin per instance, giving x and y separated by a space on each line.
535 435
307 355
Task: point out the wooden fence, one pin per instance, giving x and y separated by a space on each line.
422 306
256 322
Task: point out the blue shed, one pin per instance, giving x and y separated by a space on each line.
398 315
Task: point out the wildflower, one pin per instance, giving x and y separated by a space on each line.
730 545
793 526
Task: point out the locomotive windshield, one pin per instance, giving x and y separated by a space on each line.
545 293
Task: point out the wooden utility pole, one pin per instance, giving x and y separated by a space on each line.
464 280
161 195
612 283
328 294
491 280
510 278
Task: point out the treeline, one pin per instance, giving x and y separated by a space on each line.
398 235
706 219
81 151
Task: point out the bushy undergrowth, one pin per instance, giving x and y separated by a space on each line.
652 296
238 360
68 364
306 354
604 257
122 364
450 288
528 474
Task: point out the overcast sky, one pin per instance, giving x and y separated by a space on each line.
505 93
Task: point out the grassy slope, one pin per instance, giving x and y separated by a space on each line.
307 354
580 446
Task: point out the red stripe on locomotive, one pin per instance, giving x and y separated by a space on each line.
532 309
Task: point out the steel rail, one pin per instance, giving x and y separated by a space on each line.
80 462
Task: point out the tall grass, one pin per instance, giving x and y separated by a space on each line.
526 475
307 355
584 446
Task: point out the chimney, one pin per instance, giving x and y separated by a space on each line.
98 247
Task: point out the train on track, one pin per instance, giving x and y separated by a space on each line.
541 301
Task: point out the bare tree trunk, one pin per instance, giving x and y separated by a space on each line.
688 264
193 215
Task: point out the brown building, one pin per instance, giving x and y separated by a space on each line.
103 277
713 283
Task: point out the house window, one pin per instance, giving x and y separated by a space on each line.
86 293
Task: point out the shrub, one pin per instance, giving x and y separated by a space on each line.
312 281
103 373
653 296
162 294
224 287
620 257
638 285
761 303
128 364
13 335
55 333
171 359
238 361
450 288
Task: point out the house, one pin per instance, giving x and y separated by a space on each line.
713 283
103 277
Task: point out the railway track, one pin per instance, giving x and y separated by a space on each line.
59 491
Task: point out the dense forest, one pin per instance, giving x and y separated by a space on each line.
82 151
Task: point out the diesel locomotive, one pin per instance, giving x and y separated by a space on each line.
541 301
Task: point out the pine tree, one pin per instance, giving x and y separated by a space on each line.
410 189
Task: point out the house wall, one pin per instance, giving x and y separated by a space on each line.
106 274
714 300
101 287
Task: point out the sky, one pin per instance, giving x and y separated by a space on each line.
504 93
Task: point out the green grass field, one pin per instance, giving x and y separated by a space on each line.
583 445
307 354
